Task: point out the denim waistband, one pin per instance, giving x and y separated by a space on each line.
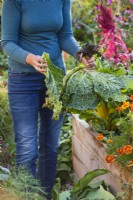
25 81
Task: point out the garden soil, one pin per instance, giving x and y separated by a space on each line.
6 196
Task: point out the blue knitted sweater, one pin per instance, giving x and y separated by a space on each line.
36 26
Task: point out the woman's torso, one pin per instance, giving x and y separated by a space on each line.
40 22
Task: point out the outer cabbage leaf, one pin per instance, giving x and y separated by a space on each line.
78 91
83 90
108 86
54 83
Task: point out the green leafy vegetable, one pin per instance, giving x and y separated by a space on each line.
81 89
54 82
84 90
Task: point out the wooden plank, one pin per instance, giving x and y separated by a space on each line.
90 163
82 131
78 166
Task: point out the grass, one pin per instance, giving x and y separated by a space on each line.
21 185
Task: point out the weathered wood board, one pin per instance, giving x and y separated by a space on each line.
89 154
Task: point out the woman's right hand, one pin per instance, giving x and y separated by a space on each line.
37 62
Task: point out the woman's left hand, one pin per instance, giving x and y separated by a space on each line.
88 63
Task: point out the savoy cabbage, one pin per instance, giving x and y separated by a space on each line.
81 89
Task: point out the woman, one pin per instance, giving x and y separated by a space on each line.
29 28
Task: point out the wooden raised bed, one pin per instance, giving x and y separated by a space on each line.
89 154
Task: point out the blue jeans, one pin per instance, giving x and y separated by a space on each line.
27 94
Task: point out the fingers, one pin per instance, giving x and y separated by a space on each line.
40 65
37 62
41 60
40 70
85 62
88 63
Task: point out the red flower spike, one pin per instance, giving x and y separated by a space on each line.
105 19
114 47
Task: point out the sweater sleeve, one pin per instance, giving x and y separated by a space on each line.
11 17
66 39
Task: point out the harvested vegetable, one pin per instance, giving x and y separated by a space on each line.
81 89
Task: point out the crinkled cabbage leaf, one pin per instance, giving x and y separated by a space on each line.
54 82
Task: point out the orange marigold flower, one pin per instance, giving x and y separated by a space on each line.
125 105
100 136
120 151
128 149
131 97
131 106
109 141
110 158
131 162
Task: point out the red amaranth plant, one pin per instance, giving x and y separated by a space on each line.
114 47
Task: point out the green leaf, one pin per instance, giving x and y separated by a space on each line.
131 70
105 67
128 82
83 90
101 194
108 86
56 190
78 91
96 185
87 179
64 195
54 83
63 167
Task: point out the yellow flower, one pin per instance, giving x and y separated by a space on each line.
109 141
125 105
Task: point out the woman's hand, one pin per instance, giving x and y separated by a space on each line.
88 63
37 62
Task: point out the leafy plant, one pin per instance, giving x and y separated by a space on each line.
64 165
81 89
5 116
23 186
3 60
84 189
7 146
